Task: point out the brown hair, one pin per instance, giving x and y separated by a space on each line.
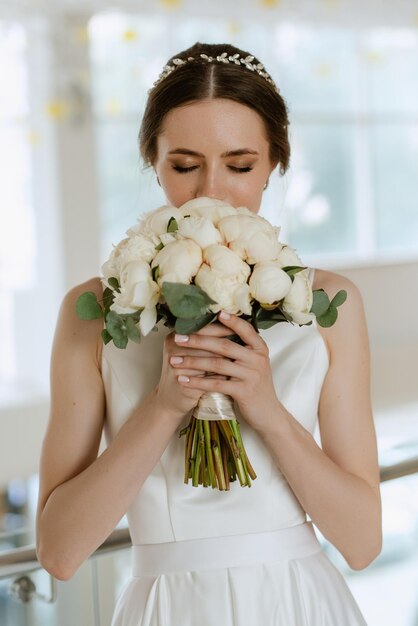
201 80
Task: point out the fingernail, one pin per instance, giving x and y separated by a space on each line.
183 379
181 338
175 360
224 315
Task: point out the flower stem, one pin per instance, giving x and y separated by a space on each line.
216 446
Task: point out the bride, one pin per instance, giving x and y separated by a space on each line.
215 127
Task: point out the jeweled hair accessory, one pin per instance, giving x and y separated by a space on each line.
222 58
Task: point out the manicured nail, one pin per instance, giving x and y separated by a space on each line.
181 338
224 315
183 379
175 360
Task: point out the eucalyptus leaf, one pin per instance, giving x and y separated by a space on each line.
108 298
114 283
186 301
116 327
339 298
106 336
172 225
291 270
320 302
186 326
160 246
87 306
329 318
132 330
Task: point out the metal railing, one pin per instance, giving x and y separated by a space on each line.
23 560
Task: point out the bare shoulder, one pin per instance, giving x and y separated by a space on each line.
71 328
351 317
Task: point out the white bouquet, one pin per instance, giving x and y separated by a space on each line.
184 265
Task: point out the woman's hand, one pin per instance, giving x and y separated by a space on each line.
178 399
244 371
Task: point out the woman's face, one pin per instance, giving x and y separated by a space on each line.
215 148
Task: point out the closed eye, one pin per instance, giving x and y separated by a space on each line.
184 170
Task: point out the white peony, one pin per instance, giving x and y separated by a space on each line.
178 261
154 223
269 283
298 301
288 256
223 276
252 237
200 229
230 293
211 208
135 248
226 262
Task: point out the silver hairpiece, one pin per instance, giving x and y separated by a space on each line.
222 58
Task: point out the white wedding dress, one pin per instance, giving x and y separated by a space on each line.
245 557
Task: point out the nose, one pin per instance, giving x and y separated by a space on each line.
211 185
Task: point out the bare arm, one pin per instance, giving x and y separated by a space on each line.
338 485
83 497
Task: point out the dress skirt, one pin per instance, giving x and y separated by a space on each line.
280 578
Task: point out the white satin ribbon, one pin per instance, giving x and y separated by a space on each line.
227 551
215 406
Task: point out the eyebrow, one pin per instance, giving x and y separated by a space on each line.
229 153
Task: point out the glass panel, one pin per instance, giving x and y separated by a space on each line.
317 70
321 197
395 158
390 59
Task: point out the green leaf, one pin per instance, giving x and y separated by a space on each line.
339 298
172 225
87 307
160 246
329 318
116 327
106 336
291 270
114 283
108 298
320 303
186 301
186 326
132 330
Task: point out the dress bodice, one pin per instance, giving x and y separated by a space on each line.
165 508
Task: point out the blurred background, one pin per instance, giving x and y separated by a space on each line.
74 76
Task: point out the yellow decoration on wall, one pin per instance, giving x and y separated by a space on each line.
113 107
234 28
171 4
81 34
270 3
324 70
130 35
374 57
57 110
34 138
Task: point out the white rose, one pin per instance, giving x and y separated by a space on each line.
155 223
178 261
226 262
298 301
211 208
229 293
135 248
252 237
288 256
200 229
269 283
